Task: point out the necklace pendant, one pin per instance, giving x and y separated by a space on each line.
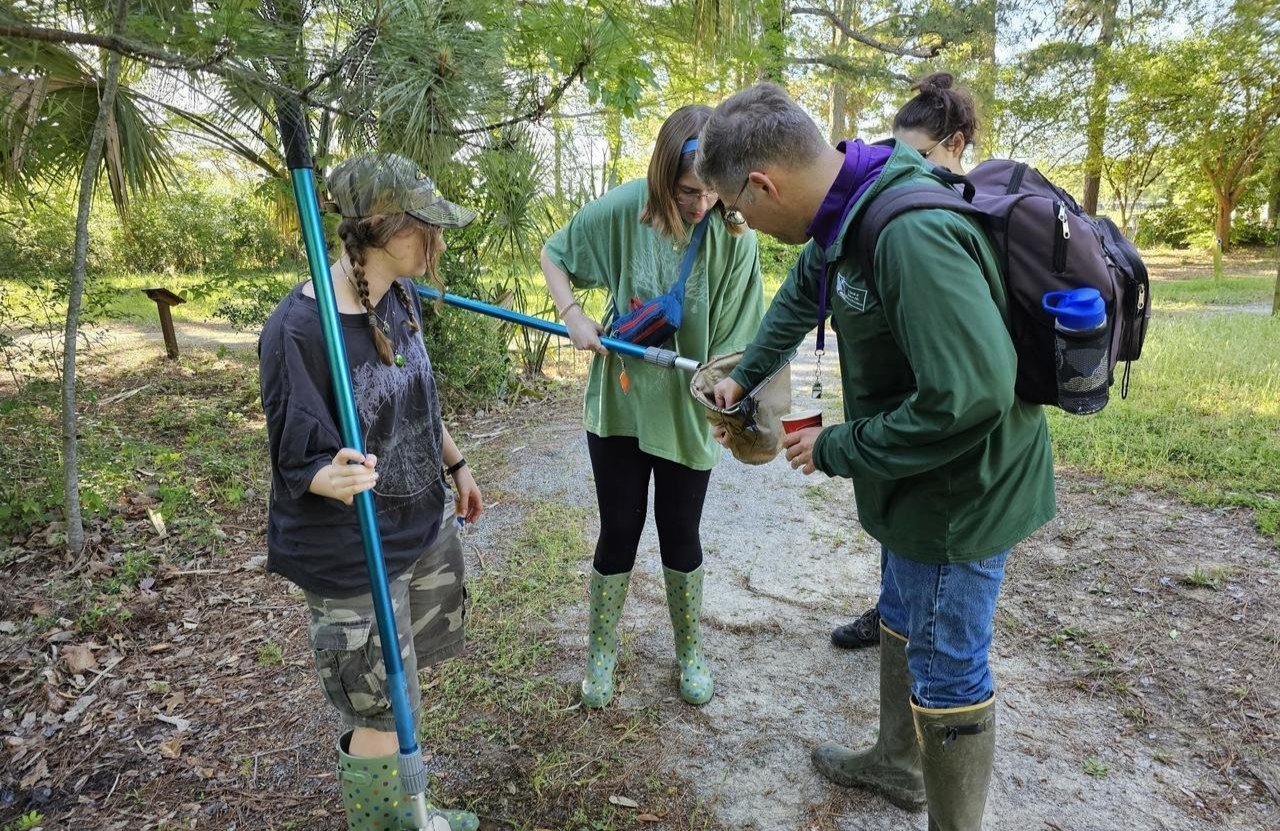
399 359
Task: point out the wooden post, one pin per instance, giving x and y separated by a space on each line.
165 300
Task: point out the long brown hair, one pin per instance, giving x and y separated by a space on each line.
667 164
360 235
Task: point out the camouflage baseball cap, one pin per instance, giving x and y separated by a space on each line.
385 183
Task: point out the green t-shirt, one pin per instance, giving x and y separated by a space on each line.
606 246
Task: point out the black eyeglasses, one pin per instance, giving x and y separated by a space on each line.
732 215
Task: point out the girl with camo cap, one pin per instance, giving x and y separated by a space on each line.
391 224
641 422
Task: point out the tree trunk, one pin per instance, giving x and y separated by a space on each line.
1222 221
1273 197
985 84
1096 128
838 99
839 85
557 137
1275 298
75 296
774 40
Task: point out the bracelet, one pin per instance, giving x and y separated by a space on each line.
452 469
568 308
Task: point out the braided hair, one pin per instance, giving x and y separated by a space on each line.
360 235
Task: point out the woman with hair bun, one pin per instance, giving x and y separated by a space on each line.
939 122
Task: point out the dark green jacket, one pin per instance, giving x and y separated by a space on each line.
947 465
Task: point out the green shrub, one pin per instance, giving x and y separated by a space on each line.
1171 226
198 226
1254 233
468 351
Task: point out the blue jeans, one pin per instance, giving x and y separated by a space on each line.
946 613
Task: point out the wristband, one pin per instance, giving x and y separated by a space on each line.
568 308
452 469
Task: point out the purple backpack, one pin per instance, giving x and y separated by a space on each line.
1045 243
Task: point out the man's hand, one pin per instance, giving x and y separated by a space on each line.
466 496
799 448
347 475
728 392
584 332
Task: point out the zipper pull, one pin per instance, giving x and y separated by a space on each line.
1062 217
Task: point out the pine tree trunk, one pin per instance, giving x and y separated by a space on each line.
88 178
1096 129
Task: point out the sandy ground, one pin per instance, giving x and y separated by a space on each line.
1128 698
786 561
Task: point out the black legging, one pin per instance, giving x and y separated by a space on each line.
622 470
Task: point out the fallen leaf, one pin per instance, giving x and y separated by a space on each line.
79 658
8 627
648 818
159 647
172 748
146 583
77 709
38 774
173 702
623 802
157 522
179 722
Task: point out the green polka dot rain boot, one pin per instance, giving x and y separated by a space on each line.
684 602
375 801
608 594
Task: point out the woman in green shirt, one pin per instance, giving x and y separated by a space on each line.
640 419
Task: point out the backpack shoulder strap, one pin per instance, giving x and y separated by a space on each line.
892 204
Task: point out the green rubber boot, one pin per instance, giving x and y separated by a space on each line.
684 602
958 748
374 800
608 595
891 767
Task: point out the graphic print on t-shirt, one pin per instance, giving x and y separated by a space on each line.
399 411
655 267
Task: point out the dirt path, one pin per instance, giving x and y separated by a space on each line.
1128 699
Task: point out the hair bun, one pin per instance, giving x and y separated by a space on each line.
934 83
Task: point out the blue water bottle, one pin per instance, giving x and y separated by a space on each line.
1082 344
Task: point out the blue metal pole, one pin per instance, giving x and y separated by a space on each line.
294 133
652 354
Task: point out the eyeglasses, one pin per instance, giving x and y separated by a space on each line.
689 196
733 216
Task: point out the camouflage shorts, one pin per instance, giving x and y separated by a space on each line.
429 601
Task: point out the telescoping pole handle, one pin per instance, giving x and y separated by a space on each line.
652 354
293 132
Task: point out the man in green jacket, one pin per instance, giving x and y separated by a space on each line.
950 469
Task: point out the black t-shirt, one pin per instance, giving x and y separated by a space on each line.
315 541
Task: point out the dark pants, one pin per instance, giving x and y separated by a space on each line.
622 472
